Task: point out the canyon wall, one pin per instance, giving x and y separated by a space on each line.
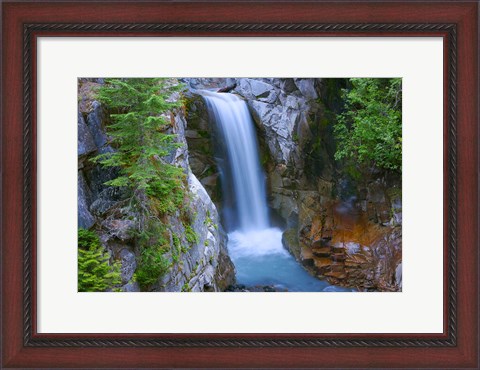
202 264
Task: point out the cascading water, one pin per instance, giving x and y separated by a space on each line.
235 127
254 246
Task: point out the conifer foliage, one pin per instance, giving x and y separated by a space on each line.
138 107
141 113
95 274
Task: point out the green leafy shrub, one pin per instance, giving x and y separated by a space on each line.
95 274
369 131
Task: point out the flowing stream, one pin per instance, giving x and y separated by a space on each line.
255 247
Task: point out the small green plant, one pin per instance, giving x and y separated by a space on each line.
186 288
208 221
151 266
95 274
190 234
195 268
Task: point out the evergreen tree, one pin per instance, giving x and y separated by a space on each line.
95 274
138 109
141 114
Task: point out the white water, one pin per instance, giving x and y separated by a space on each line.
235 127
254 246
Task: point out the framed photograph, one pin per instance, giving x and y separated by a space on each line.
235 185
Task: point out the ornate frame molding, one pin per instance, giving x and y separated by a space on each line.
129 340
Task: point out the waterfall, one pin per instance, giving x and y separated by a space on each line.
255 247
243 177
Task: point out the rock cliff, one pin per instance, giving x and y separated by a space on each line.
201 263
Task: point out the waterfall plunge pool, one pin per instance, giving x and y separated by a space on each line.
261 260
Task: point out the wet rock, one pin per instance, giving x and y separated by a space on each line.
306 254
225 271
291 243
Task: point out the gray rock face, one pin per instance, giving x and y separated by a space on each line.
119 228
206 266
307 87
85 218
95 123
209 83
131 287
127 259
255 89
86 145
279 123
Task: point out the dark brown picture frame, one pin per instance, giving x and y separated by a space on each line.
23 22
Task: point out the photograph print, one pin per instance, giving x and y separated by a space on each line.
239 184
